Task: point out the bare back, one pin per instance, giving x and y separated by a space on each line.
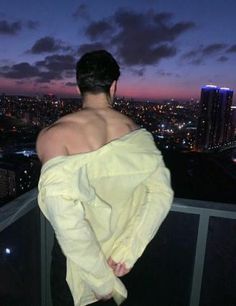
83 131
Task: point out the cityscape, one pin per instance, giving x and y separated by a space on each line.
197 139
177 61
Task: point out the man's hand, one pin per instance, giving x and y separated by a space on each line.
119 269
103 298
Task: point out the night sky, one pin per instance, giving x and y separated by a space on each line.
166 49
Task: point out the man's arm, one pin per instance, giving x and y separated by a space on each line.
50 143
77 240
66 215
147 220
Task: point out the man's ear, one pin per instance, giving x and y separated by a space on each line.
77 88
113 89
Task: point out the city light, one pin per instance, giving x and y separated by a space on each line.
7 251
175 125
210 86
224 88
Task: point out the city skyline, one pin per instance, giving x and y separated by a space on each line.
165 50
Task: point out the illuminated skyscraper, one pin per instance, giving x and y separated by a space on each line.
226 132
214 122
233 110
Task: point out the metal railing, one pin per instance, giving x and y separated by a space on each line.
21 206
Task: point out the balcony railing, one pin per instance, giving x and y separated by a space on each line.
191 261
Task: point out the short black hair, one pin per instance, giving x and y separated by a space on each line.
96 71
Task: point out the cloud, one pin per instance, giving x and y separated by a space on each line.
199 55
84 48
138 71
81 12
48 76
232 49
13 28
10 28
191 54
19 71
146 56
44 87
161 17
163 73
99 28
20 82
223 59
32 25
212 49
57 62
48 44
4 68
51 68
144 39
138 38
71 84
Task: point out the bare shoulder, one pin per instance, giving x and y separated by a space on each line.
127 121
49 142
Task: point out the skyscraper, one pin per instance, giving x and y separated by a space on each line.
226 119
214 122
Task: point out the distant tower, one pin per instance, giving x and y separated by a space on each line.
233 110
214 122
226 98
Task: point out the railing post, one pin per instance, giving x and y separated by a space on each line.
46 246
199 260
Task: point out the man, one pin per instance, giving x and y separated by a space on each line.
103 187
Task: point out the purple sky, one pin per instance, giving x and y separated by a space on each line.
166 49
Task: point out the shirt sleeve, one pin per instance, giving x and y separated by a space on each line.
79 243
147 219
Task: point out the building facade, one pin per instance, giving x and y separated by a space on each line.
215 126
7 183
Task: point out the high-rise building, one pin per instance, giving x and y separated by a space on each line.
233 111
215 117
18 174
7 183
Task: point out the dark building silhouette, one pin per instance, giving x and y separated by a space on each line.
7 182
18 174
233 111
215 118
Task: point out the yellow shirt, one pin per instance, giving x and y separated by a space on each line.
108 202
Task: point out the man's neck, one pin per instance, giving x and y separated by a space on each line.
98 101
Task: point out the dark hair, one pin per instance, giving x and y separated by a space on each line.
96 71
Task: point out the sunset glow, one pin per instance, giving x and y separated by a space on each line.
164 52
